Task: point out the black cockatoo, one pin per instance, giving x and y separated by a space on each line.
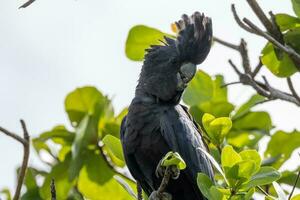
156 123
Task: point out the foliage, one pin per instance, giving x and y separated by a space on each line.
85 156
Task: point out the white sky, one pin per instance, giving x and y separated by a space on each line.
54 46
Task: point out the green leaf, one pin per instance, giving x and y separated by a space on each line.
215 193
229 157
218 109
204 184
249 194
244 139
246 168
96 180
296 7
250 122
139 38
245 108
219 92
253 156
127 185
206 120
285 151
59 135
289 178
7 194
87 101
173 158
264 176
114 147
281 68
292 38
199 90
220 127
121 115
216 128
286 22
296 197
32 194
86 134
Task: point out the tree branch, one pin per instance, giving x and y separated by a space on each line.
257 69
25 141
239 21
28 3
273 33
247 78
53 190
261 15
139 191
164 181
295 184
292 89
227 44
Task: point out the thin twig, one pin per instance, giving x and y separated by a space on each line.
164 181
295 184
139 191
13 135
28 3
292 89
111 165
53 190
234 67
227 44
290 51
232 83
26 147
257 69
276 30
247 78
25 141
260 15
262 190
239 21
245 57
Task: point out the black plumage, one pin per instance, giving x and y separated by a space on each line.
156 123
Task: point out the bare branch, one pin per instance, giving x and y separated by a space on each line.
232 83
25 141
234 67
276 30
239 21
257 69
226 44
53 190
275 37
245 57
247 78
292 89
290 51
295 184
164 181
28 3
261 15
26 147
13 135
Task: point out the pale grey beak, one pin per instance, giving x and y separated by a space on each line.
186 73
